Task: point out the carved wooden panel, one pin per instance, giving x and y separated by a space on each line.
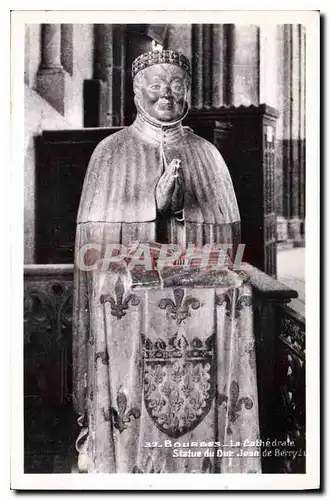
61 163
291 390
47 370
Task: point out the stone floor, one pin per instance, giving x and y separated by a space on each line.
291 271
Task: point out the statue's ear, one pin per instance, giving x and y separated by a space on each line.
188 83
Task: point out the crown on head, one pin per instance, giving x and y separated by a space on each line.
160 57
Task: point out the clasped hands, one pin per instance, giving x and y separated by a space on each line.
169 190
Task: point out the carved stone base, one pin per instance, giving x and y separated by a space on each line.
291 231
51 86
295 232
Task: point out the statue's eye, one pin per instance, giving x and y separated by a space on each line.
155 87
176 87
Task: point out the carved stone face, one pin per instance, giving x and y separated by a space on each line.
163 91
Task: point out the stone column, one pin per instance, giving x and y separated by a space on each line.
220 67
50 77
118 78
291 104
244 65
67 31
268 70
103 73
197 66
209 48
225 65
294 166
283 108
51 46
207 65
103 45
104 99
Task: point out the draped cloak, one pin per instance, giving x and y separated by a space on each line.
121 180
118 205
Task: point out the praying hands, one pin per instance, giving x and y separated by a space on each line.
169 190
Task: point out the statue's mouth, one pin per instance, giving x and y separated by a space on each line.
165 105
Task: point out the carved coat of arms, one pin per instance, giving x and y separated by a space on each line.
178 382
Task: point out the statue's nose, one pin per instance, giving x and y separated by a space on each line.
166 91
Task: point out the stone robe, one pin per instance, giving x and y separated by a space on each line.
118 205
121 181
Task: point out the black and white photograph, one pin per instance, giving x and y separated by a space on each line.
165 240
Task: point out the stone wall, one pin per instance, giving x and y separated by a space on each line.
74 53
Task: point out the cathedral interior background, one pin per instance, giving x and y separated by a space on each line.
248 98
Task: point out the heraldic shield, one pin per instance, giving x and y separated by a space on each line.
179 381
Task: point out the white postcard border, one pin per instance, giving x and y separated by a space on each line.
19 480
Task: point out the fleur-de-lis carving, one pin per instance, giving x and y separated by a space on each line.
121 417
179 308
240 302
119 304
235 402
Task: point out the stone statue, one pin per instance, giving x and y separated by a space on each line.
154 181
